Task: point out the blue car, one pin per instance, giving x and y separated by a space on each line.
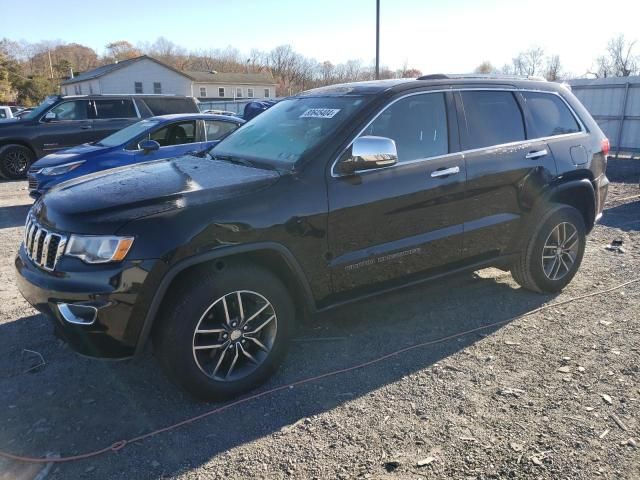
150 139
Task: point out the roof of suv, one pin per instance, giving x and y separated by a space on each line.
373 87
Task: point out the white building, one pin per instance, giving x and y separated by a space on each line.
147 75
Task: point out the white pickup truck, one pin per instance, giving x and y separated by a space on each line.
5 112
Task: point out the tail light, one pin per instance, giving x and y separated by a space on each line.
604 144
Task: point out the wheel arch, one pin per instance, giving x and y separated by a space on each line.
270 255
18 141
578 193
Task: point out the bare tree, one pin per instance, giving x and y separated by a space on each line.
485 67
621 57
553 69
122 50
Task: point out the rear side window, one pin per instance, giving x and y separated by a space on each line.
493 118
418 125
168 105
549 115
217 130
115 108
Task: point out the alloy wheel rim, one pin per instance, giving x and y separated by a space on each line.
17 162
560 251
234 335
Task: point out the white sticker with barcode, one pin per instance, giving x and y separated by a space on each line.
320 113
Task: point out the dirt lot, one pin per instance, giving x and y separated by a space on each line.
555 394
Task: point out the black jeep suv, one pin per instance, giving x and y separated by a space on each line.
63 122
330 196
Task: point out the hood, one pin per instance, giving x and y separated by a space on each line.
104 201
81 152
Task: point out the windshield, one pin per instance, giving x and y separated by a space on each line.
286 131
36 112
128 133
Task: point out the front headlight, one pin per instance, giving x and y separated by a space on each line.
60 169
94 249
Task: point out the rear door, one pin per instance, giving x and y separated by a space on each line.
111 115
392 222
502 162
71 125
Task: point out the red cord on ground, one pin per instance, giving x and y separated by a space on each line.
119 445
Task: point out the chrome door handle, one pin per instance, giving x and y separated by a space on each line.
538 154
445 172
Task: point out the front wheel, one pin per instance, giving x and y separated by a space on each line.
226 332
15 161
553 252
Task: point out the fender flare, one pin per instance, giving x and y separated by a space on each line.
215 254
582 184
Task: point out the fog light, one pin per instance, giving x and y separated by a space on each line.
78 314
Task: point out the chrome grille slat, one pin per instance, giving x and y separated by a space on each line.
38 242
45 250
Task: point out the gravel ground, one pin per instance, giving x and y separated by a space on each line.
555 394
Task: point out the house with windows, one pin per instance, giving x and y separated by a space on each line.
146 75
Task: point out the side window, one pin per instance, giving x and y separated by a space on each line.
418 125
493 118
175 134
217 129
116 108
76 110
549 115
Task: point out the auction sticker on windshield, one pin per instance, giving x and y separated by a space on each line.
320 113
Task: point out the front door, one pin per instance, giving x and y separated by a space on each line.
404 219
68 124
175 139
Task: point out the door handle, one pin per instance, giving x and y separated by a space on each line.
85 127
536 154
445 172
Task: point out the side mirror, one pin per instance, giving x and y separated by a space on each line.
370 152
148 146
50 116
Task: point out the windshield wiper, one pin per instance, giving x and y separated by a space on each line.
236 160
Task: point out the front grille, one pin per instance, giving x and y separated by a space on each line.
43 247
33 183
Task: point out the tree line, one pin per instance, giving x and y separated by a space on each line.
618 60
31 71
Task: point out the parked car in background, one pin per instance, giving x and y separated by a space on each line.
150 139
253 109
5 112
22 113
334 195
62 122
221 112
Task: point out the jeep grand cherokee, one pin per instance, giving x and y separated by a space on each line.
330 196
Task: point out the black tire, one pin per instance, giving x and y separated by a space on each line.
175 336
15 161
529 271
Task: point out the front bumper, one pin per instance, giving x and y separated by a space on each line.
115 291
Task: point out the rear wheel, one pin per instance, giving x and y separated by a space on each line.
15 161
553 252
225 333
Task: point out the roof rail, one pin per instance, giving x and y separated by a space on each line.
487 76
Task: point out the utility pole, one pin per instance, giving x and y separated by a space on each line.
377 39
50 64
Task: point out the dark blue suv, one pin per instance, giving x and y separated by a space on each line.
150 139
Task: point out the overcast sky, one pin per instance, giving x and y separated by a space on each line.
434 36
